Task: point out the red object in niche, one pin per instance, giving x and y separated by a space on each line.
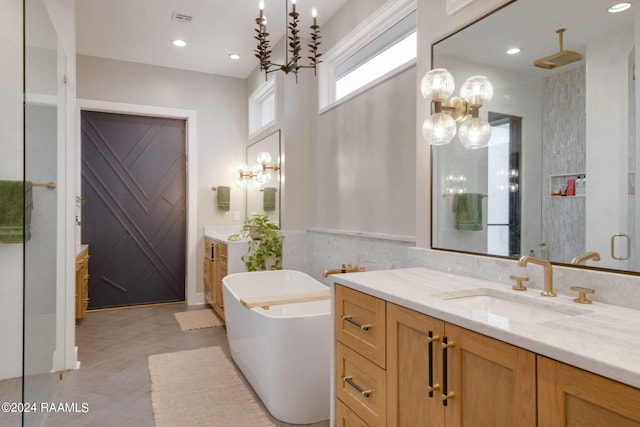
571 188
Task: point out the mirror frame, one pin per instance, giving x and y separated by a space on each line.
432 181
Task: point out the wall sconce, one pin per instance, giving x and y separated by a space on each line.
455 184
260 175
440 127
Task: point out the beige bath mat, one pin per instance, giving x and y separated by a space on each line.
197 319
202 388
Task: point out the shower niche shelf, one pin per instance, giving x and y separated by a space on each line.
557 184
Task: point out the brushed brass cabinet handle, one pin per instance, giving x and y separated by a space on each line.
349 319
431 387
363 392
446 394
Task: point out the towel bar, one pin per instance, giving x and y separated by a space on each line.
449 195
50 185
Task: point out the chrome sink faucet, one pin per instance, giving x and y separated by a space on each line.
548 273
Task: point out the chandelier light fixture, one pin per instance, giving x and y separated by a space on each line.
440 127
292 51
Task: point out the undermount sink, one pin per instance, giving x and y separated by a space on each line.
500 308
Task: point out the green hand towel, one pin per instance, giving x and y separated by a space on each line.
467 208
269 199
15 220
224 198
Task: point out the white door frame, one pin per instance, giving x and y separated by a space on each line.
191 141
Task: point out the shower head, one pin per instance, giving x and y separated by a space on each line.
559 59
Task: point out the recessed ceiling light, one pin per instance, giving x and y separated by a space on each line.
234 56
179 43
513 51
619 7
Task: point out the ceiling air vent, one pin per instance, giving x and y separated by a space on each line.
181 17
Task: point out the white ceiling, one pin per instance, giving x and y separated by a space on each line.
142 31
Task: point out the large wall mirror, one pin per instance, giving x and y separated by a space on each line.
263 193
557 179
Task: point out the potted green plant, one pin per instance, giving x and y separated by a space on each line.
264 250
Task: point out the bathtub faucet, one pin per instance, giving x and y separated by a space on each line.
346 268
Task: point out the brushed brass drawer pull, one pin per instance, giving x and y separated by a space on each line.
431 338
349 380
446 394
349 319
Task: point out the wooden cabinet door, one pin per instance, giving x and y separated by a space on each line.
220 267
571 397
414 367
493 383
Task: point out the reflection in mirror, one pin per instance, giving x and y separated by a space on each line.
555 128
263 192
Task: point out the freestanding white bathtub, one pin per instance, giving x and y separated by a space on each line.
283 351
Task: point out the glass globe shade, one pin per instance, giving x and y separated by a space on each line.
241 167
477 90
474 133
262 178
437 84
264 157
241 183
439 129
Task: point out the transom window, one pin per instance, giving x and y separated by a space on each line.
359 62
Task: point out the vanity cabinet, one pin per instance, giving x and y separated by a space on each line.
214 270
418 360
82 283
568 396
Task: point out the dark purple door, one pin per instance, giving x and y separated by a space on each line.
133 216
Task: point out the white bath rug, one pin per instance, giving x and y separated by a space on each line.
197 319
202 388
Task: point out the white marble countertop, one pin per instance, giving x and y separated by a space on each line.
600 338
220 233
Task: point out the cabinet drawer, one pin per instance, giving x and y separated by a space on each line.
361 385
360 323
345 417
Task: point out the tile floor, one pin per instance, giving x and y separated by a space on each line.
114 378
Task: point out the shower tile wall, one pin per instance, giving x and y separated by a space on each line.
563 142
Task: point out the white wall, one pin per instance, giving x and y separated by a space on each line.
11 156
294 112
362 157
221 107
